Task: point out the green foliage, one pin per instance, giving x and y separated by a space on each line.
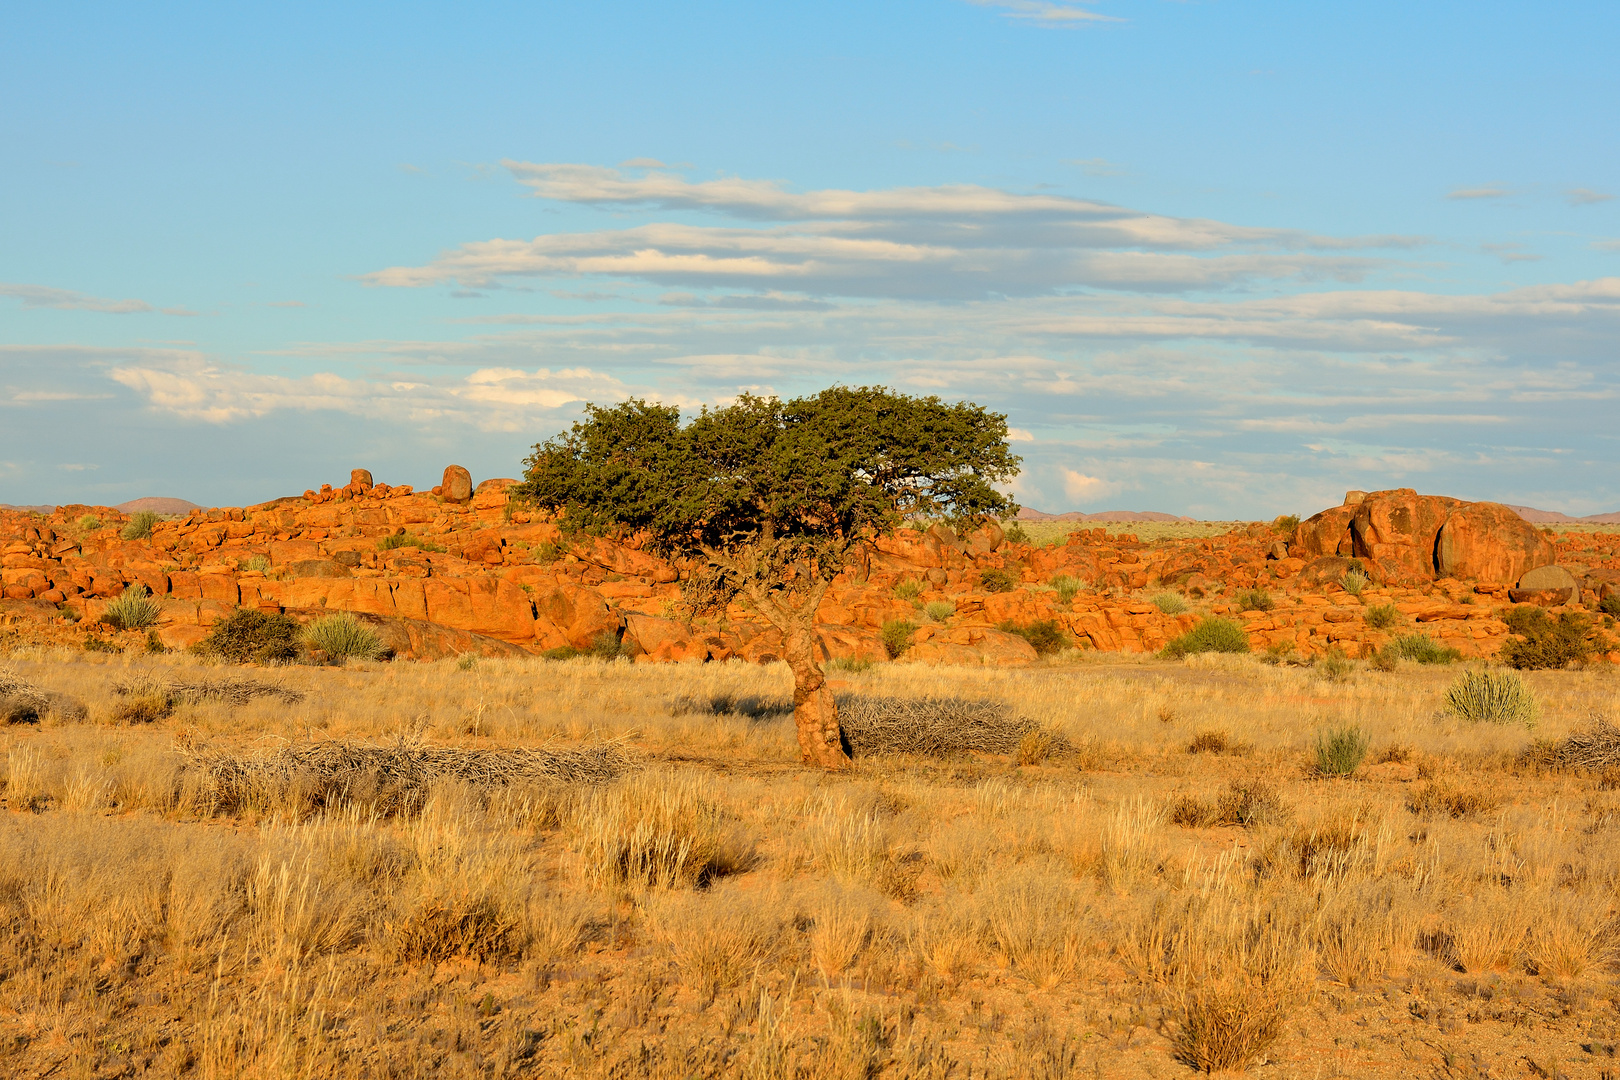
139 526
997 581
908 589
1354 581
341 636
1254 600
404 540
1340 751
1045 635
1067 587
1015 534
547 552
939 610
466 661
852 665
1481 695
896 634
1548 642
771 495
1421 649
261 563
1210 635
1170 603
1610 606
96 644
250 635
89 523
1381 616
604 646
134 610
1334 665
1285 524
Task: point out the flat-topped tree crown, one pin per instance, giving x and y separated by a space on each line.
765 499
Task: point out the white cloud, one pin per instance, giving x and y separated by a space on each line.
1492 191
1586 196
1046 12
42 296
1019 435
1082 488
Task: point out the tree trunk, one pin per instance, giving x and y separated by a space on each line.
814 711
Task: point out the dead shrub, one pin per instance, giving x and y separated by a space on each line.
937 727
440 928
144 700
1217 741
1596 748
1434 797
1244 803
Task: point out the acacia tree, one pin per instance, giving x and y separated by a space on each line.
766 500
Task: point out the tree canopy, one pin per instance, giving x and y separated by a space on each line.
767 498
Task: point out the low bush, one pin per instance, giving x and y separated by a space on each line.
403 540
89 523
1546 642
1066 587
851 665
1285 524
997 581
1610 605
908 589
1484 696
1340 751
1381 616
1046 635
1354 581
939 610
341 636
1334 664
1255 600
1210 635
139 526
604 646
257 563
1433 798
134 610
250 635
1170 603
1422 649
1245 803
896 634
1015 534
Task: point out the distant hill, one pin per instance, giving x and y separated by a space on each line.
1553 517
1026 514
158 504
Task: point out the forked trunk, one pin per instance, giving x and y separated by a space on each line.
814 711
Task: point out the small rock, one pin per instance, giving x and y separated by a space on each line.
360 478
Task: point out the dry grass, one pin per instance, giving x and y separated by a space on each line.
416 876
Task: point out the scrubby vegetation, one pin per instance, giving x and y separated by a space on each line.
133 610
1381 616
1543 641
1481 695
1255 600
1045 635
997 581
139 526
1170 603
341 636
1340 751
1421 649
1210 635
251 635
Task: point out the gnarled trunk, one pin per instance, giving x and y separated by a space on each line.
815 713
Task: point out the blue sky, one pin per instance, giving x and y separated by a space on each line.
1221 258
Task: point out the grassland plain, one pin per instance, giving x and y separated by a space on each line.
1166 882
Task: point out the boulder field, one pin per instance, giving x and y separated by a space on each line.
462 569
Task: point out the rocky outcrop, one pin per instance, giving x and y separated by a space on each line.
1408 539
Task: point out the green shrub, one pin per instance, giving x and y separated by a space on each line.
140 525
1339 751
1333 664
1610 605
1015 534
1066 587
1285 524
997 581
132 611
1481 695
1170 603
852 665
1422 649
1046 636
1548 642
89 523
341 636
404 540
896 634
908 589
1382 616
1255 600
604 646
939 610
1210 635
248 634
1354 581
